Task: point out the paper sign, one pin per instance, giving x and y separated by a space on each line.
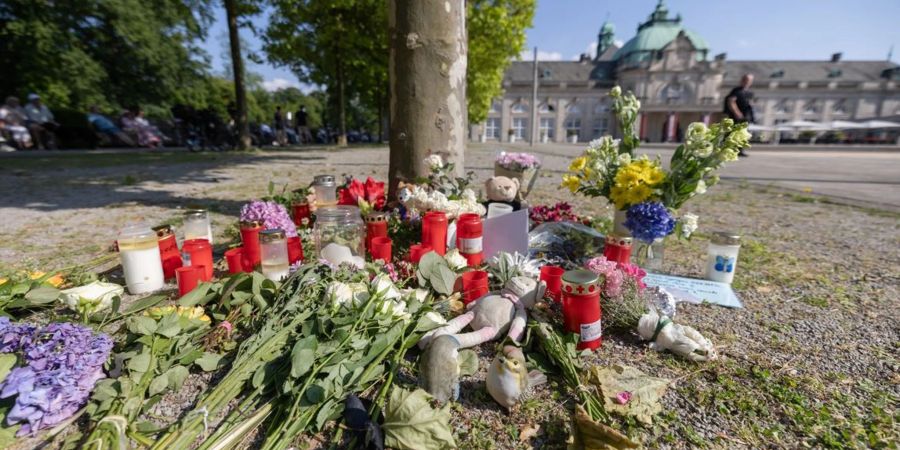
506 233
692 290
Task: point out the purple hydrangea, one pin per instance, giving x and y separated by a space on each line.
649 221
63 361
517 161
272 215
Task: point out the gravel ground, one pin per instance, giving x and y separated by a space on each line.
812 359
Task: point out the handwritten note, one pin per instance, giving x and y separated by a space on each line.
692 290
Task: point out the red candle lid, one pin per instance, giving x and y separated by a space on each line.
580 282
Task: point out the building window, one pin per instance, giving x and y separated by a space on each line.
779 73
519 108
572 108
573 126
548 126
600 126
840 106
495 106
601 108
811 107
519 127
546 108
492 128
783 106
673 93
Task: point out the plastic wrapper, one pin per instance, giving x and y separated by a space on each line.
661 299
564 244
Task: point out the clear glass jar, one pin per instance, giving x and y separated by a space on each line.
140 256
197 225
325 189
341 225
721 256
274 254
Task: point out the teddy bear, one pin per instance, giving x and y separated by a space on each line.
503 190
494 315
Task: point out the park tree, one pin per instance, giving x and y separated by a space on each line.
109 52
496 35
234 11
338 44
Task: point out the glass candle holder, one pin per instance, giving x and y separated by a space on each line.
141 260
274 252
197 225
325 189
341 225
721 256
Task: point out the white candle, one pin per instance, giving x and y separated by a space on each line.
721 257
141 262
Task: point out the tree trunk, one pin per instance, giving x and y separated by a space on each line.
237 64
342 107
427 70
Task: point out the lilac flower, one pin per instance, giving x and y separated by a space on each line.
63 362
517 161
272 215
649 221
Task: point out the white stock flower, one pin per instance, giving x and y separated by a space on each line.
701 188
615 91
688 224
434 162
455 260
92 297
468 195
624 159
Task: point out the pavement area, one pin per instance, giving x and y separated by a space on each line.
853 175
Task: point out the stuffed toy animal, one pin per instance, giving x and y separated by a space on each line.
508 380
679 339
439 368
494 315
502 189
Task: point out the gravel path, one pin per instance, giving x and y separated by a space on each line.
812 360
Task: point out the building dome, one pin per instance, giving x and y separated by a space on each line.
654 34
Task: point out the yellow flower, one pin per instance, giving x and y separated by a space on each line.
577 164
572 182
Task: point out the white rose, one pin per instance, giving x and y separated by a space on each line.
688 225
92 297
455 260
434 162
360 293
339 293
383 285
624 159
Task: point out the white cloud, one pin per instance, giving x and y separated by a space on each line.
591 49
619 43
278 84
744 43
528 55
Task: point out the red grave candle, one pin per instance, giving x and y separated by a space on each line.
469 234
381 248
301 211
234 259
581 307
437 231
618 249
416 251
552 275
188 278
168 250
474 285
376 226
250 243
295 249
198 252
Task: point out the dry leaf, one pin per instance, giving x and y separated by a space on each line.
590 435
528 431
645 391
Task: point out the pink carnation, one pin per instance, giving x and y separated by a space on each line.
613 277
635 272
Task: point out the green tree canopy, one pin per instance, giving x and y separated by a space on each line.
496 35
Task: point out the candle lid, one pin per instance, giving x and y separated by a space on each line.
163 231
324 180
579 282
270 235
337 211
622 241
136 231
376 217
195 212
726 238
251 224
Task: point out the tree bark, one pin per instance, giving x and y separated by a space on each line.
427 69
342 107
237 64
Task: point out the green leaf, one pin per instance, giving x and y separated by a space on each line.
8 434
259 376
209 361
198 296
443 279
330 410
139 363
7 361
143 304
142 325
315 394
429 261
468 362
159 384
411 423
42 294
303 356
188 358
168 326
177 375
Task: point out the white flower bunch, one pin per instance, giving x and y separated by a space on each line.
434 162
91 298
688 225
420 199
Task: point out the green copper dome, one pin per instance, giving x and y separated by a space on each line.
654 34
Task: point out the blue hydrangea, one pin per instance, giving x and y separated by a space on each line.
649 221
63 361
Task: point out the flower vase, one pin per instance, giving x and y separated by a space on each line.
648 256
526 178
619 228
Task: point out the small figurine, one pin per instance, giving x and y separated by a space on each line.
503 190
494 315
508 381
439 368
679 339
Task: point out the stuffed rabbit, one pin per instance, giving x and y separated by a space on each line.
679 339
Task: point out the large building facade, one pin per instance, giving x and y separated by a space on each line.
670 71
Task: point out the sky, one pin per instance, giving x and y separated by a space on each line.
752 29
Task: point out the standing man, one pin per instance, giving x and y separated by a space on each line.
737 103
302 127
41 123
279 127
